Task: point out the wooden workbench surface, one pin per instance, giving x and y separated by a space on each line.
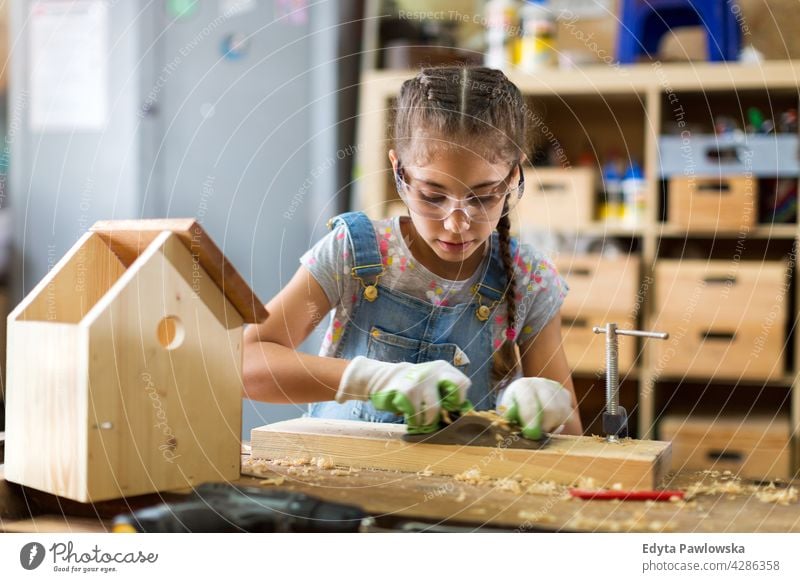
395 496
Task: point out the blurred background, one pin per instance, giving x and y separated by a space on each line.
264 118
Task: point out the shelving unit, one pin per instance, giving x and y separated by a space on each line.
627 108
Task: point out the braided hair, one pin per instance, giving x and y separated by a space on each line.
480 107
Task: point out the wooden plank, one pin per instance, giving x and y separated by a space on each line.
129 238
441 499
632 464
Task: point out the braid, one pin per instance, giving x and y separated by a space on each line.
505 359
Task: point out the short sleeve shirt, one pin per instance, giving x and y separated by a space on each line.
540 288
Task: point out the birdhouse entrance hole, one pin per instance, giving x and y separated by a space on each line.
170 332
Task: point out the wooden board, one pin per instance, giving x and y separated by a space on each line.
631 464
128 238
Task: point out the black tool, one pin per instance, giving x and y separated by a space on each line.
475 430
221 507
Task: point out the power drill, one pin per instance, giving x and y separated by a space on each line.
222 507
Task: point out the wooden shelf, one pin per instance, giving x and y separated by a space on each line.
775 231
603 106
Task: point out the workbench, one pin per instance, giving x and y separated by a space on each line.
394 497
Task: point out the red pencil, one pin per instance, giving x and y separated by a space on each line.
605 494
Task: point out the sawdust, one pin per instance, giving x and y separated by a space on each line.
624 442
515 484
496 419
323 463
473 477
426 472
277 481
726 483
462 495
340 473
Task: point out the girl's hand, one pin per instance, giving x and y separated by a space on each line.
418 391
538 405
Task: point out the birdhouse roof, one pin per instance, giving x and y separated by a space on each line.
128 239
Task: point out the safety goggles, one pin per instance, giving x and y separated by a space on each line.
485 206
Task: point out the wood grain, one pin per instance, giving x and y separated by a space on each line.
632 464
128 238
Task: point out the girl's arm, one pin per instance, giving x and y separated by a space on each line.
274 371
543 356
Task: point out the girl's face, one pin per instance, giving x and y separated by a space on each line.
456 241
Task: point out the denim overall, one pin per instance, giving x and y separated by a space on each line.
396 327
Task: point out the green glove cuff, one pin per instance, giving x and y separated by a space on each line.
398 403
532 430
450 398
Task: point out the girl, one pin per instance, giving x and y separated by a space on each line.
439 309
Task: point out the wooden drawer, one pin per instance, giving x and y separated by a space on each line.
724 293
586 350
752 447
748 350
599 285
556 199
715 203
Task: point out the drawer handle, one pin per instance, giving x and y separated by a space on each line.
718 335
714 455
714 187
579 272
556 188
574 322
726 155
720 279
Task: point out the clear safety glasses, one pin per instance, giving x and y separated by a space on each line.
481 206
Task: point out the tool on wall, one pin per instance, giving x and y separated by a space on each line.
615 417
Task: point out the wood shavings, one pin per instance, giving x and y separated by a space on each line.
291 461
726 483
426 472
323 463
277 481
339 473
473 477
496 419
462 495
772 494
510 485
587 483
626 441
547 488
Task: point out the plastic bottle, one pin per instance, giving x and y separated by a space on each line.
633 193
538 36
502 26
613 203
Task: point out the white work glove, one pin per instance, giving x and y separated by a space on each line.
418 391
538 405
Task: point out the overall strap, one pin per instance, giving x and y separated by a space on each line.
494 283
364 248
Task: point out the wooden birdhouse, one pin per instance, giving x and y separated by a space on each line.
125 365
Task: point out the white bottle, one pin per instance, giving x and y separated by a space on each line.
634 189
502 31
538 36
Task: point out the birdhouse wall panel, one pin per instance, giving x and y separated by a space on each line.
46 410
77 283
165 379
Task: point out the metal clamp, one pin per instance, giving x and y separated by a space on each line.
615 417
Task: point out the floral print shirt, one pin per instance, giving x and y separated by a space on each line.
540 289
